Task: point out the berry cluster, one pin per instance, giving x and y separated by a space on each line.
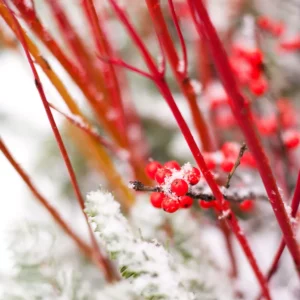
269 124
271 26
226 158
277 29
174 182
247 64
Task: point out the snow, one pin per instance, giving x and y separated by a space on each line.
152 264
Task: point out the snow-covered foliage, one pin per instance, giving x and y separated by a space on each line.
148 266
43 270
197 268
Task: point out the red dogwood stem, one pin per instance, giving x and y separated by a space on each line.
294 208
108 272
183 81
165 91
86 249
242 112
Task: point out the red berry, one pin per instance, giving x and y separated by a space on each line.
186 202
247 205
291 45
210 162
179 187
288 119
227 165
267 126
156 199
152 168
193 176
230 149
291 141
172 165
255 57
248 160
169 205
206 204
218 101
278 29
264 22
258 87
161 175
255 73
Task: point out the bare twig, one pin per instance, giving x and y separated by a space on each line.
120 63
236 164
199 195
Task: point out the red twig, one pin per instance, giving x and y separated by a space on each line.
104 264
165 91
183 81
294 208
121 63
104 49
180 36
242 112
101 108
81 124
53 212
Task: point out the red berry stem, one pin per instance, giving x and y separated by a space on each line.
242 113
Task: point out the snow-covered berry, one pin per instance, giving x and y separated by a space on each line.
161 175
172 165
179 187
193 176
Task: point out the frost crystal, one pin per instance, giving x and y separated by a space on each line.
148 266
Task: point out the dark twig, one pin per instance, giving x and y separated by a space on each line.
236 164
199 195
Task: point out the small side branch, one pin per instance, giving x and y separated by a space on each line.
121 63
180 36
237 163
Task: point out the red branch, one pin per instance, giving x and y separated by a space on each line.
104 49
183 81
53 212
121 63
103 262
165 91
100 108
242 112
180 36
91 131
294 206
